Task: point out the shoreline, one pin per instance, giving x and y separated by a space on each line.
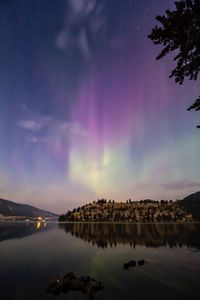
123 222
103 222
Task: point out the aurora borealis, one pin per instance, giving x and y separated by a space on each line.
85 109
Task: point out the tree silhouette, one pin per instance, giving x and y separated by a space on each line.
180 32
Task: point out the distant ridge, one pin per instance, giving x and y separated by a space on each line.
195 197
192 204
10 208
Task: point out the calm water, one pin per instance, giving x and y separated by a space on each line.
31 258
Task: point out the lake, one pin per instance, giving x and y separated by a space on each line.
165 259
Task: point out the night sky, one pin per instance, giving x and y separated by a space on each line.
85 109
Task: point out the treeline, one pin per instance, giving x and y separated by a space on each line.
130 211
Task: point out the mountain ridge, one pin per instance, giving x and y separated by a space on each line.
12 208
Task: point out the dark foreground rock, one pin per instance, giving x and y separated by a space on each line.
133 263
70 282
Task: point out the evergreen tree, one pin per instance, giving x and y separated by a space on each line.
179 31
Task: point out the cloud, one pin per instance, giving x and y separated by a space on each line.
32 125
34 122
85 27
34 139
41 129
181 184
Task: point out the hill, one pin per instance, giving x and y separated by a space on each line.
136 211
191 203
10 208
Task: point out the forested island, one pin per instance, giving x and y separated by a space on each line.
144 211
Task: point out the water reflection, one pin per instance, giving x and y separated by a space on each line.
31 263
38 225
150 235
41 224
11 230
